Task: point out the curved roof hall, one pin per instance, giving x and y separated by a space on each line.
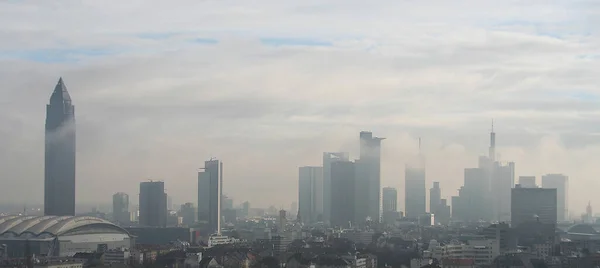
582 229
54 225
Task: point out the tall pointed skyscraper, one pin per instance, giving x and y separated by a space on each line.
59 170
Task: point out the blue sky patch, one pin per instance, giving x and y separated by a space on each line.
206 41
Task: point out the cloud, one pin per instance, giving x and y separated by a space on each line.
159 88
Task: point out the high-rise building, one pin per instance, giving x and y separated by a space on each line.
153 204
503 180
368 175
527 182
390 199
533 205
390 205
328 158
59 169
282 221
443 212
188 214
559 182
415 192
227 203
294 209
474 194
343 191
435 198
210 193
246 209
121 208
310 194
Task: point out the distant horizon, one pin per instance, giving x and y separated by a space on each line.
268 87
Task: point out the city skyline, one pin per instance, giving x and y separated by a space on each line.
153 101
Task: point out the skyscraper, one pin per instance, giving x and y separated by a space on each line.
390 199
368 172
415 192
210 194
503 180
59 169
153 204
559 182
390 206
188 213
435 198
343 189
310 194
121 208
532 205
329 158
527 182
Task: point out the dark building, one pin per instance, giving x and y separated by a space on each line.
153 204
369 174
328 158
121 208
342 193
210 193
533 205
59 169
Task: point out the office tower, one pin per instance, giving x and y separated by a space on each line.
458 207
246 209
153 204
169 202
342 193
435 198
188 214
390 205
503 180
369 176
559 182
527 182
390 199
227 203
282 221
329 158
294 208
310 194
121 208
474 194
415 192
443 212
210 192
59 169
533 205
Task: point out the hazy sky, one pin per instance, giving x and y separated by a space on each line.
267 86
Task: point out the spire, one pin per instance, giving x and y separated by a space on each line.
492 152
60 93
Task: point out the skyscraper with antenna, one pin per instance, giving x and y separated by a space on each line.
492 152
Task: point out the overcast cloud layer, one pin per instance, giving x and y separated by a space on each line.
267 86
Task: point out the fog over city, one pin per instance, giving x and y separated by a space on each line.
268 86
